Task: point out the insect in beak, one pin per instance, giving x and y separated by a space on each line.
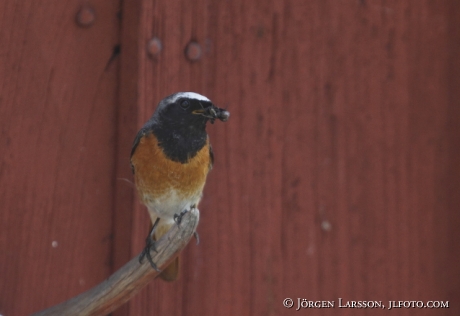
213 113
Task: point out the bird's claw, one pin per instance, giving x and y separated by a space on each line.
150 244
178 217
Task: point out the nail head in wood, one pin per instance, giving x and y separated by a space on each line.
193 51
86 16
154 47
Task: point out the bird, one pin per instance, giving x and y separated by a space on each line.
170 159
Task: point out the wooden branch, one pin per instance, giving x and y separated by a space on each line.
128 280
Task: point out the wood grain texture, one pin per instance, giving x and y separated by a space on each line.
335 175
127 115
57 101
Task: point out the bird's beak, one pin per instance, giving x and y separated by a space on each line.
213 112
200 111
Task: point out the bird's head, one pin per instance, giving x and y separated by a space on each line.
188 109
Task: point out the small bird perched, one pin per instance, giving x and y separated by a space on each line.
170 159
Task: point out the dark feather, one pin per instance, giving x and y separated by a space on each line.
211 155
139 135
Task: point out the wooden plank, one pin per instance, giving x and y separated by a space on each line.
127 122
328 181
57 97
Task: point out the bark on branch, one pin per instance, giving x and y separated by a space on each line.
128 280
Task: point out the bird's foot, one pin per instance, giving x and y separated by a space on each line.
178 217
150 244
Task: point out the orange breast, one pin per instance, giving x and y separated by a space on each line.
156 175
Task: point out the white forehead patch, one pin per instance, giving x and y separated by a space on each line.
189 95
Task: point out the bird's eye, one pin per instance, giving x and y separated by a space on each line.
185 104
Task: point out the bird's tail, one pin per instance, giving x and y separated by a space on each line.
171 272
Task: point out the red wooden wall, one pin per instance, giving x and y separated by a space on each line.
337 175
58 101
